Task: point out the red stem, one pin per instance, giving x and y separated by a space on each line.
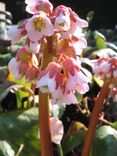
94 118
44 112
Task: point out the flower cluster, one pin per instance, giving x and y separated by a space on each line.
63 79
106 68
63 76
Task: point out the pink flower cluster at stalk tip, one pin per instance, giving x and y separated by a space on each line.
105 67
63 76
63 79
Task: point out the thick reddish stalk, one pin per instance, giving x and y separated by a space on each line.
44 113
94 118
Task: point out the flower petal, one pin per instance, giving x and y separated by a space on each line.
56 128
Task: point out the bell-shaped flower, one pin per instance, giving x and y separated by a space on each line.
50 78
76 79
62 21
56 129
34 6
16 32
68 22
72 47
60 96
76 26
39 26
78 44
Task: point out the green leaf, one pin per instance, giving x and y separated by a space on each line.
74 139
100 40
21 127
4 59
114 124
5 149
105 142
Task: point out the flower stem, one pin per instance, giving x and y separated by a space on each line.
44 112
60 151
95 117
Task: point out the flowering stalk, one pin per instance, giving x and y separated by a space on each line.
94 118
44 113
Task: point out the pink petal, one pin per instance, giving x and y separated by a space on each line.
69 98
34 35
51 84
49 28
35 47
14 34
56 128
80 78
65 19
42 82
14 68
82 89
70 84
81 22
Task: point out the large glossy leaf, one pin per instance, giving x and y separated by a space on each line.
21 127
105 142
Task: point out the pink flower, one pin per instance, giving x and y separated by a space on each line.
68 22
62 18
57 131
76 80
50 78
24 64
39 26
60 96
78 44
34 6
16 32
105 67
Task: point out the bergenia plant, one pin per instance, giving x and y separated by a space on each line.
49 58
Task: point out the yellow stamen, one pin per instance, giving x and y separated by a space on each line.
39 23
61 24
